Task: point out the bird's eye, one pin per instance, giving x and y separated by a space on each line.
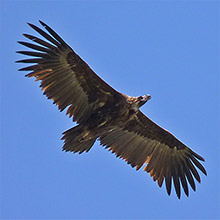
140 98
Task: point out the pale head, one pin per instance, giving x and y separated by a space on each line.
141 100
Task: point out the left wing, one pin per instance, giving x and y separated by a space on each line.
65 77
142 141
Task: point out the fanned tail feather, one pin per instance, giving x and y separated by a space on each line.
78 139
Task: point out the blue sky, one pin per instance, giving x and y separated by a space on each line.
169 49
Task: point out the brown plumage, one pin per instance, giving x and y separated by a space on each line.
104 113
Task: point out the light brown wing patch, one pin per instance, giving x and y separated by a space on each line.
162 162
65 77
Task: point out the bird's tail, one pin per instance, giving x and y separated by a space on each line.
78 139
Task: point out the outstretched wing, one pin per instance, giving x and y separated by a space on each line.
65 77
142 141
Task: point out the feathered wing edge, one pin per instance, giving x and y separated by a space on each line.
163 162
65 77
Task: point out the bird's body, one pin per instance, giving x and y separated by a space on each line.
115 112
107 115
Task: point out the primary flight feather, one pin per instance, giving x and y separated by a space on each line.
106 114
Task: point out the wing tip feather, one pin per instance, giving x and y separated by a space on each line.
42 23
31 25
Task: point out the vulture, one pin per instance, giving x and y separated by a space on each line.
105 114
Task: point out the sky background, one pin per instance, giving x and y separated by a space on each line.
169 49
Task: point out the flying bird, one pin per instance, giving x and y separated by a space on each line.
105 114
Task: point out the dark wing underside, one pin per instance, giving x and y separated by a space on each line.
65 77
141 141
70 82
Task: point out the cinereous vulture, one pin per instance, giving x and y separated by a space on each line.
107 115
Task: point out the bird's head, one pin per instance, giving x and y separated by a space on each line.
141 100
137 102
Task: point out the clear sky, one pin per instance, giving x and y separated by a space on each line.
169 49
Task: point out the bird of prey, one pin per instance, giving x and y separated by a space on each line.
105 114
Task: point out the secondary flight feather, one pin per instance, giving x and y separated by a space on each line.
107 115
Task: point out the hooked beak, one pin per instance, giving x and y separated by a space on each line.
144 99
